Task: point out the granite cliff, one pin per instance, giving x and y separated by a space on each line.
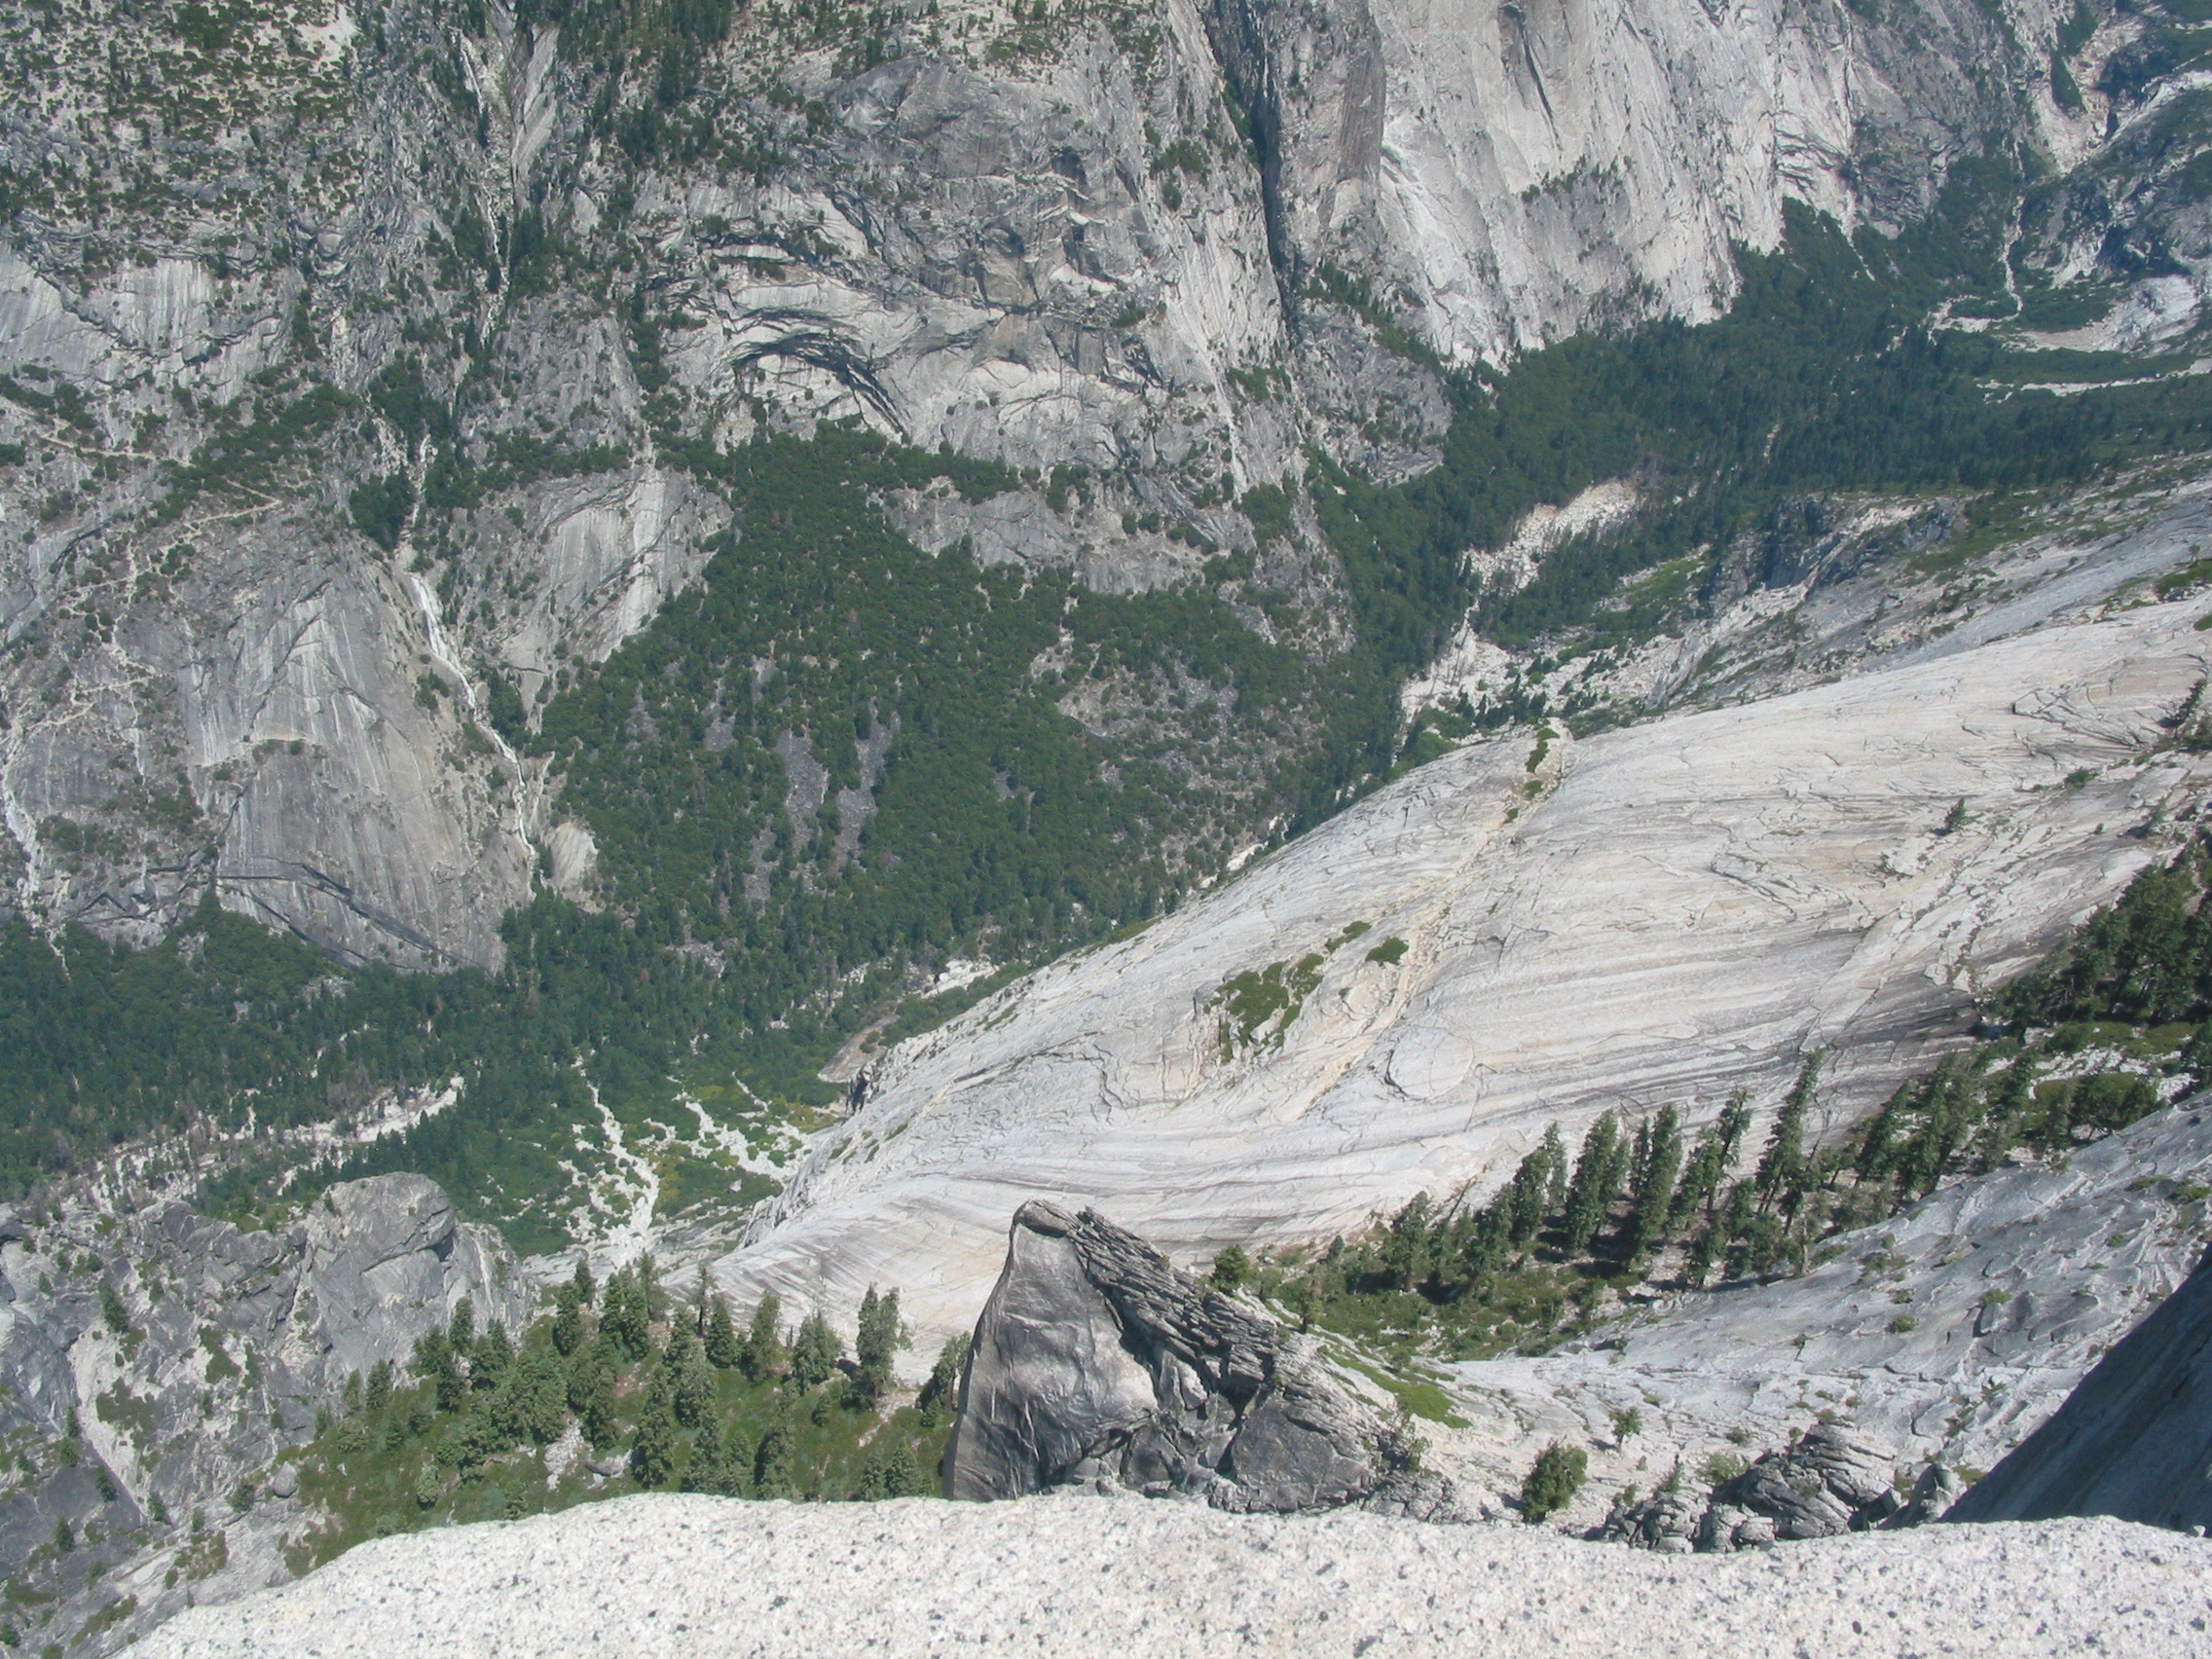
155 1363
336 341
1713 895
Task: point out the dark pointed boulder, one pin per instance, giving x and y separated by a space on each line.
1096 1363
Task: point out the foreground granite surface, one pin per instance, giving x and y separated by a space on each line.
1083 1575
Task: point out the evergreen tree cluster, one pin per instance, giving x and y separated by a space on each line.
692 1396
1825 375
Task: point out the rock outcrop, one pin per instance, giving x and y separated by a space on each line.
2134 1440
1827 1481
1097 1364
153 1365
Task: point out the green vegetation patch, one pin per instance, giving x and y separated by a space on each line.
1260 1004
677 1394
1824 375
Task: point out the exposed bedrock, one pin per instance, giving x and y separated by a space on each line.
1827 1481
154 1364
1662 913
2133 1440
1096 1363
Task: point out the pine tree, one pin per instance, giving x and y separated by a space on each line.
772 1461
490 1357
1529 1200
1710 1160
1697 1264
434 1364
889 1472
379 1392
1783 1166
1553 1150
625 1317
651 1294
1652 1189
1405 1245
682 1347
1876 1140
1553 1481
1232 1268
764 1340
568 1320
691 1388
880 1336
580 1282
724 1349
461 1332
940 1398
1484 1250
654 1444
1737 1213
533 1402
814 1354
737 1464
705 1471
591 1389
1595 1184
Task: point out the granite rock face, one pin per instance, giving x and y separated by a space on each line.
1828 1481
913 1578
2133 1440
1943 1336
1097 1364
1081 245
1665 912
153 1366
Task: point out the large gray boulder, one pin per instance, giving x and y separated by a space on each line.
1831 1481
2133 1440
1096 1363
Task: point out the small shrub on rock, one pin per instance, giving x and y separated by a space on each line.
1553 1481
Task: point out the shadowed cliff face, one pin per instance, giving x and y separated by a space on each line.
2133 1440
352 352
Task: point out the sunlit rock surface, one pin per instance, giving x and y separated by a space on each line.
713 1577
1097 1364
1663 913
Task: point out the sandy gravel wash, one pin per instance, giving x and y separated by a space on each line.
698 1577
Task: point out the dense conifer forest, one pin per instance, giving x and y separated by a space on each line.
660 1390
